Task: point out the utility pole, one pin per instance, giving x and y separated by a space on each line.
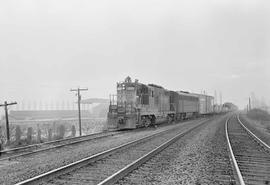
220 96
216 101
5 105
249 104
78 90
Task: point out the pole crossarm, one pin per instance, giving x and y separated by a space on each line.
79 89
7 104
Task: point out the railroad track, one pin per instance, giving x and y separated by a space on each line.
14 153
249 155
109 166
160 167
42 147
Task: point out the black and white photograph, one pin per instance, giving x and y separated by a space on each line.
134 92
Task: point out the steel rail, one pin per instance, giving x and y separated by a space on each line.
80 163
232 157
253 135
110 133
55 141
58 146
132 166
45 143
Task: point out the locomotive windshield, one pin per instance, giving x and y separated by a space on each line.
126 94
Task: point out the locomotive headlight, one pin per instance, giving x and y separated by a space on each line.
121 120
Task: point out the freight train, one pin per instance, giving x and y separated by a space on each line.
139 105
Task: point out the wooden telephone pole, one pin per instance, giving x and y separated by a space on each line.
79 106
5 105
249 104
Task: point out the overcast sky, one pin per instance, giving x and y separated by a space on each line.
48 47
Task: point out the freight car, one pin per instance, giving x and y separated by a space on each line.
139 105
185 105
206 104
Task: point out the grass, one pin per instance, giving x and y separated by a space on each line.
258 114
24 134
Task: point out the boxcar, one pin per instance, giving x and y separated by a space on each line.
206 104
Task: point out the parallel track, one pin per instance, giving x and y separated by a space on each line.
13 153
103 168
42 147
249 155
143 169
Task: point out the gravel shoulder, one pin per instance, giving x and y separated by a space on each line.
259 128
200 157
26 167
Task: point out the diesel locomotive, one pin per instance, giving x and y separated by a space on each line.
139 105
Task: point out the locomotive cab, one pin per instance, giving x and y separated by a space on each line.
123 112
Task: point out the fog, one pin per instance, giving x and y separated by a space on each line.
49 47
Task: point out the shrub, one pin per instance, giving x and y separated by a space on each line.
49 134
258 114
73 131
60 134
39 136
18 134
29 135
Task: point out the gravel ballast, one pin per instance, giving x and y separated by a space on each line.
255 126
198 158
91 174
26 167
253 161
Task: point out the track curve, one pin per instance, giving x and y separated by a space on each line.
250 156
